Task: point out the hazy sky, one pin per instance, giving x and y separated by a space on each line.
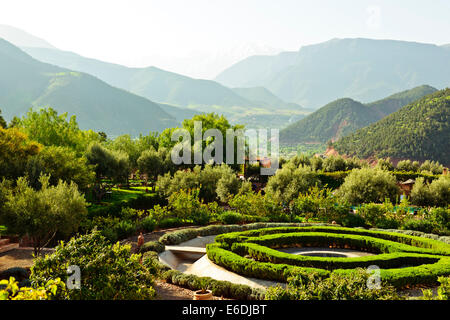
148 32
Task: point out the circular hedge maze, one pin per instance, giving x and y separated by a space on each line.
403 259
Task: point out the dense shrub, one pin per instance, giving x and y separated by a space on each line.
257 204
437 193
107 271
289 182
426 259
352 220
10 289
43 213
219 288
147 224
320 204
206 180
443 291
231 217
336 287
368 185
186 204
170 222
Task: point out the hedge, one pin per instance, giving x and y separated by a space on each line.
219 288
389 260
426 258
423 245
142 201
335 179
179 236
250 268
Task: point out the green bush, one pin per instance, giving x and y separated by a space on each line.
125 229
336 287
231 217
443 291
148 224
289 182
168 223
368 185
352 220
427 259
107 271
153 246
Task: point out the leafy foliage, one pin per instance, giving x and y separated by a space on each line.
50 129
108 272
41 214
290 181
60 163
15 150
336 287
368 185
52 289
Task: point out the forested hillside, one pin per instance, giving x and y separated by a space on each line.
418 131
342 117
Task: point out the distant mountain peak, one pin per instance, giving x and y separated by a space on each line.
21 38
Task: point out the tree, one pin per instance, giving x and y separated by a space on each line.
15 150
108 272
228 185
60 163
113 164
43 213
440 191
209 121
420 193
368 185
290 181
134 147
408 166
155 163
50 129
385 164
3 123
108 163
432 167
206 180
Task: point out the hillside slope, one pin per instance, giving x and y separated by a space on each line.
344 116
157 84
418 131
26 82
362 69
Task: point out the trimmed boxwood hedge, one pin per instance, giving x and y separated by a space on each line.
179 236
251 253
390 260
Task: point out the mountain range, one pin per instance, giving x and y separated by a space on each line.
362 69
26 82
344 116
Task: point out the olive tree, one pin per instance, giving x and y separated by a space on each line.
368 185
60 163
290 181
155 162
41 214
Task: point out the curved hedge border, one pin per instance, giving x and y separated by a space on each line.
427 258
